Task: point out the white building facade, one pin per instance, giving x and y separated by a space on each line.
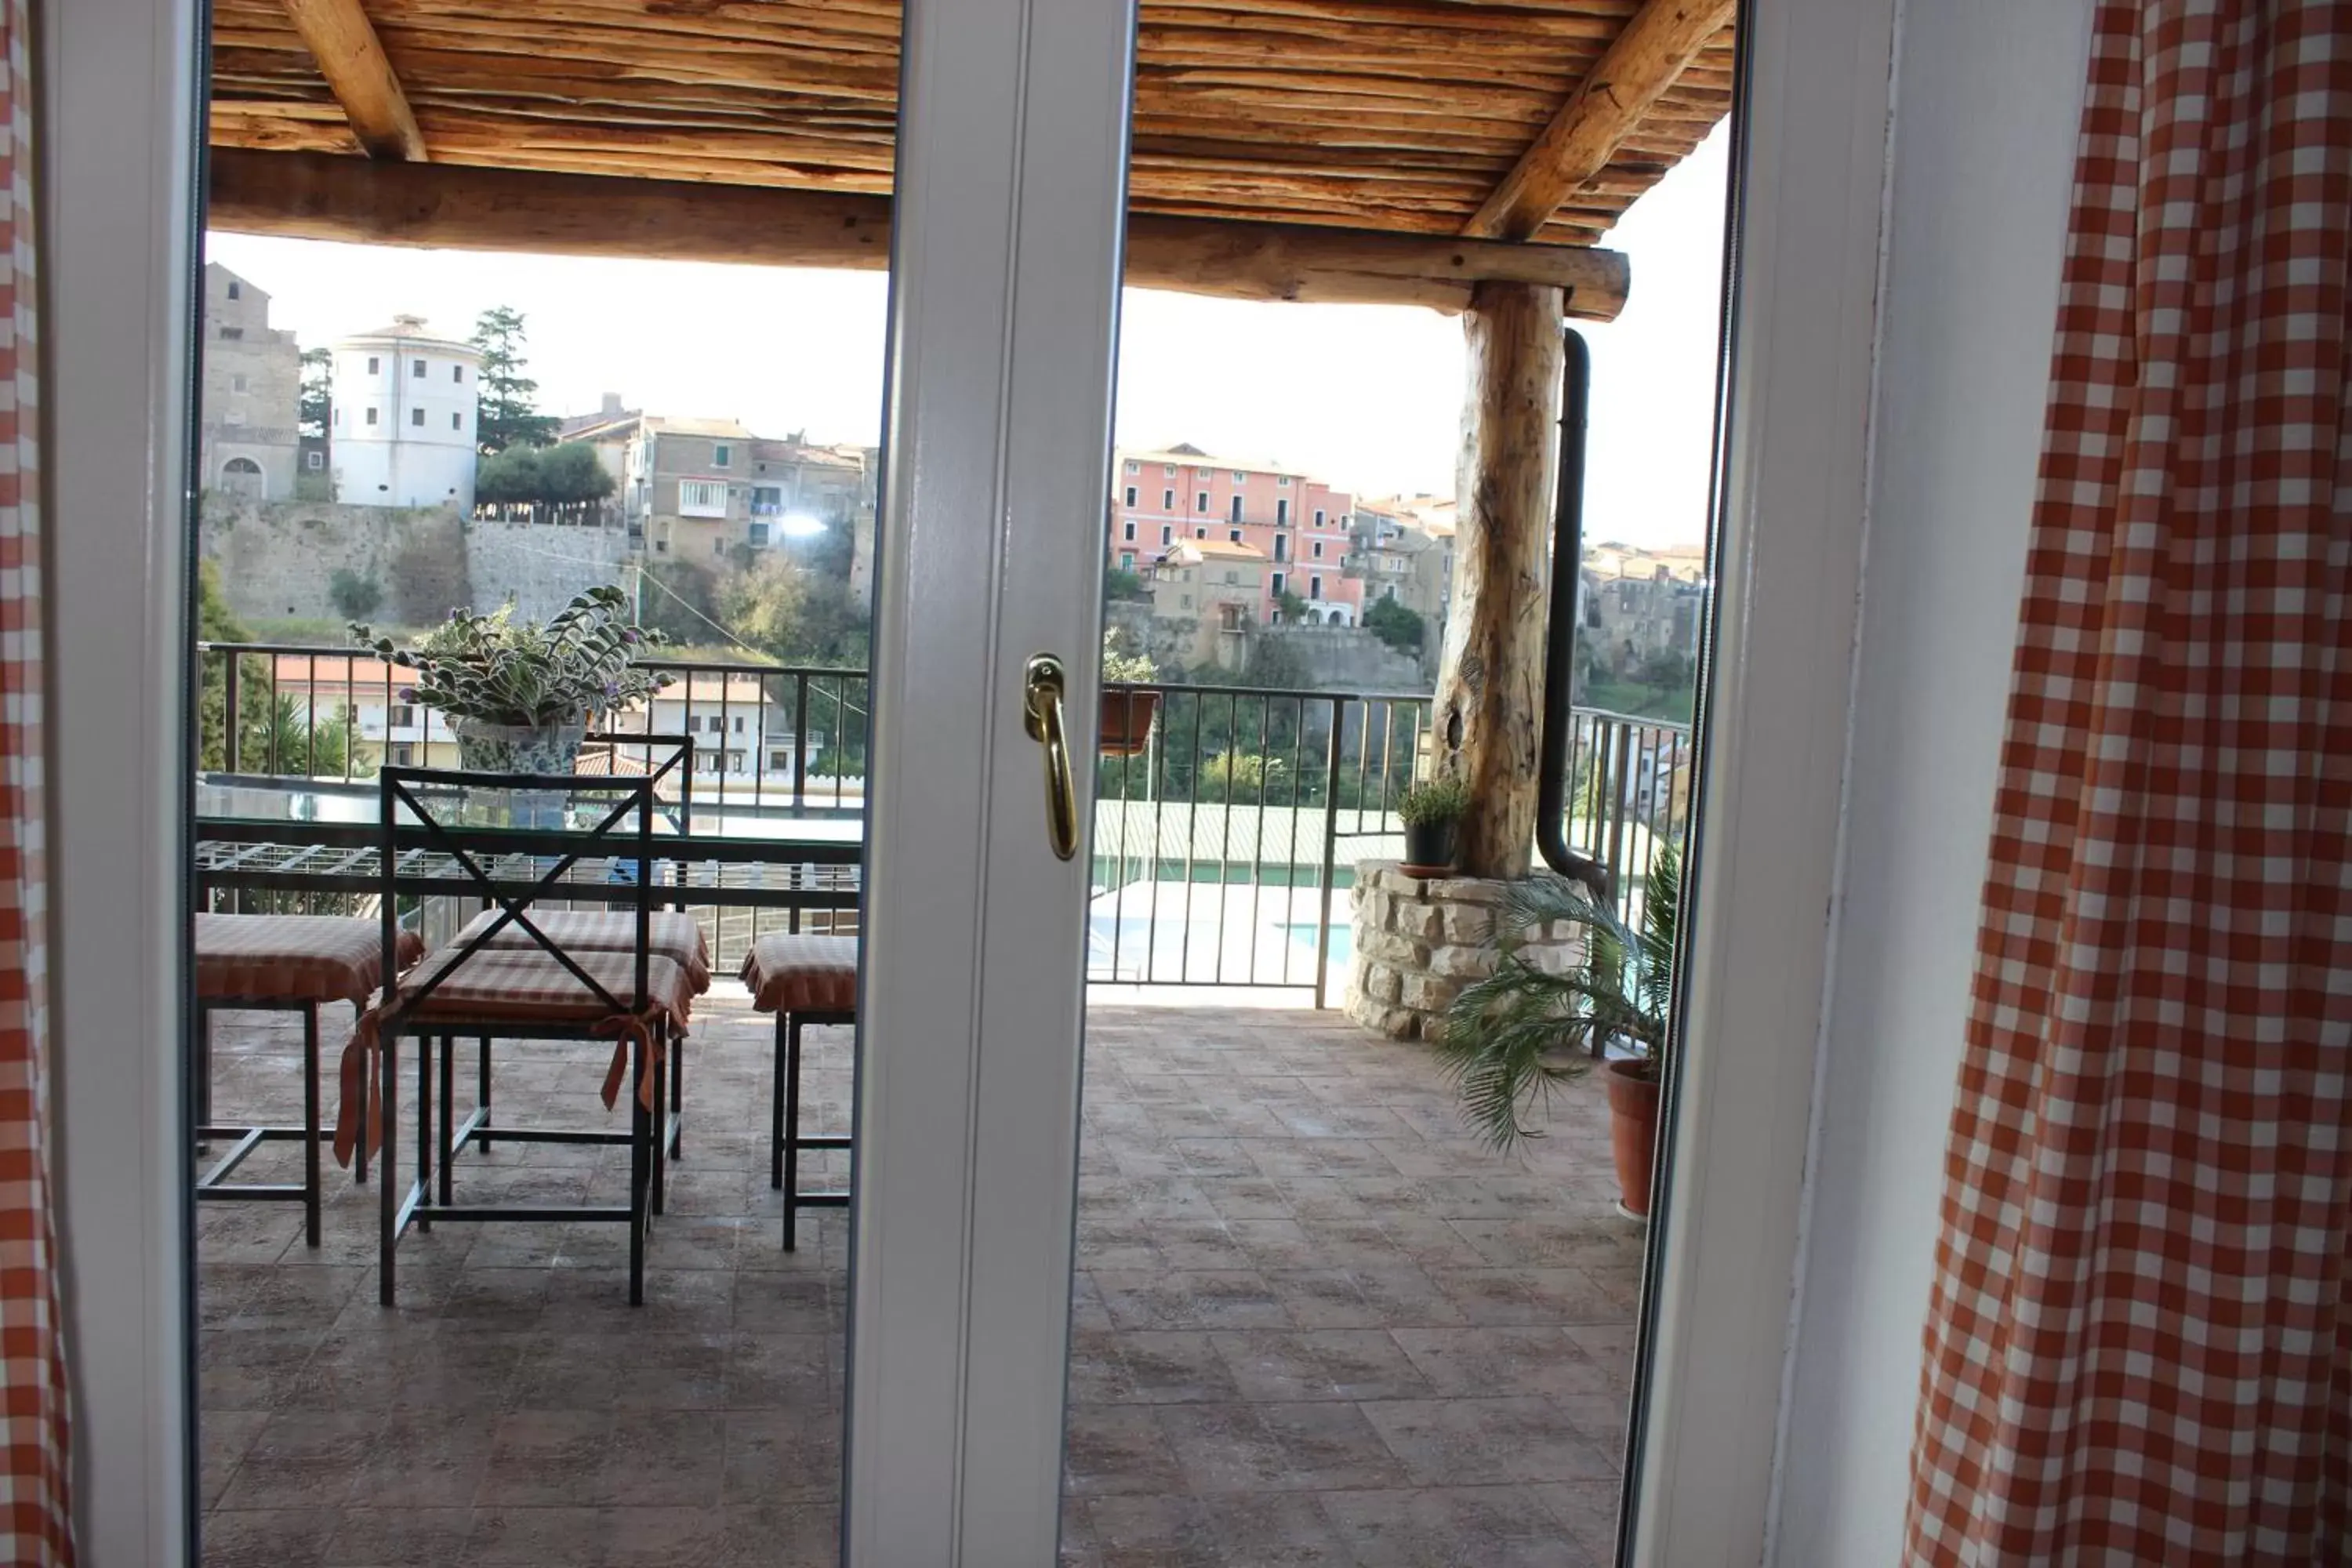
403 425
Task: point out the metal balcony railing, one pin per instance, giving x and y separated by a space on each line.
1222 850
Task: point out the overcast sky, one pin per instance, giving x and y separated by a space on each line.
1364 398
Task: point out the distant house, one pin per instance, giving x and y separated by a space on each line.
403 420
1299 526
247 440
697 489
1210 592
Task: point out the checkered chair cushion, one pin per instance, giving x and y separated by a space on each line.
511 985
674 935
294 958
795 973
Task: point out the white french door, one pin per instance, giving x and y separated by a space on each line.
1005 292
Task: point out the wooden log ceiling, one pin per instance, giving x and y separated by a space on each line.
313 196
1397 117
343 42
1644 60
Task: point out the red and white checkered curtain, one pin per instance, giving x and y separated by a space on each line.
35 1524
2140 1344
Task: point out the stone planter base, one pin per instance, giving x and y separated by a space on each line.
1420 940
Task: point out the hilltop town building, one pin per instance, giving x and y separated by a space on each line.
248 444
1298 526
403 423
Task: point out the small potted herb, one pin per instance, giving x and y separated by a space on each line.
1126 715
1432 812
517 694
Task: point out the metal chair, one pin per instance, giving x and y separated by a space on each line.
803 980
637 1001
280 963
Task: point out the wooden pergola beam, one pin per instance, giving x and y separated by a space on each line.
318 195
1662 37
352 59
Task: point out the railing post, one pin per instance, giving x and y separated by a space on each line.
1330 855
228 712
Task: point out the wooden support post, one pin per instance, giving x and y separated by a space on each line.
1490 710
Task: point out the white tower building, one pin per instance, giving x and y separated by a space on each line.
402 426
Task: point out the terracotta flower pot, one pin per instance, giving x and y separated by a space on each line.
1634 1133
1127 719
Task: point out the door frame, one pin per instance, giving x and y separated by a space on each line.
117 225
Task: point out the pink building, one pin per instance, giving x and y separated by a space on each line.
1161 499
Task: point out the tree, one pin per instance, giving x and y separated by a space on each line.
355 597
506 400
317 404
1119 582
680 600
1292 608
764 604
216 623
1396 626
541 476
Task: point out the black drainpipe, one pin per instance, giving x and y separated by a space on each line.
1558 740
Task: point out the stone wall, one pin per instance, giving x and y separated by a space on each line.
1420 940
279 561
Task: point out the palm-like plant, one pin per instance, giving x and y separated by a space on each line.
1514 1037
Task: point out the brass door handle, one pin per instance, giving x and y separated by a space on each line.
1042 682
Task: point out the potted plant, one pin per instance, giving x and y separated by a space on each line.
1126 716
1510 1039
1432 810
517 694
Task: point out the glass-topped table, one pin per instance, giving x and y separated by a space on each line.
325 836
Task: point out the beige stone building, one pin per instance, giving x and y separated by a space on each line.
248 439
1638 604
1205 593
697 489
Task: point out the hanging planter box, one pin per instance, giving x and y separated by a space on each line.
1127 717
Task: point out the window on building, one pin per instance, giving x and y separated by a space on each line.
235 290
457 373
314 461
1314 588
417 370
1281 512
400 715
1318 517
758 536
1343 519
417 418
236 384
739 723
1282 547
1131 495
1168 470
1240 477
371 415
1129 533
1167 534
701 498
402 754
374 364
456 421
1201 502
1200 533
1135 468
1233 574
721 454
1283 480
1234 534
1318 550
1237 508
1276 583
1185 602
335 419
232 334
1127 560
